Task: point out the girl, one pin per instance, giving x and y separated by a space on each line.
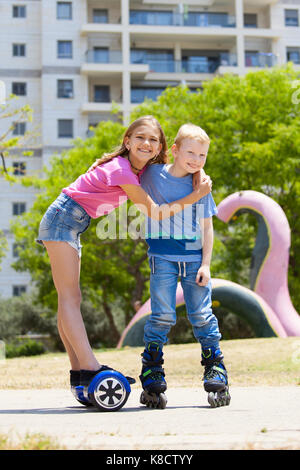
115 176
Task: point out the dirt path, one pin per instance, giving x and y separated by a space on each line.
257 418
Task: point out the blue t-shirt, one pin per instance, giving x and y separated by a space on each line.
177 238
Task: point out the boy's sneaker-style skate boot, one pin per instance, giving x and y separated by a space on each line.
215 377
152 378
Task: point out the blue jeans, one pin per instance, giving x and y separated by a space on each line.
163 286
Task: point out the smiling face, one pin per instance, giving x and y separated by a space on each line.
143 145
189 156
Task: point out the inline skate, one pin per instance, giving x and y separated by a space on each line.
215 377
152 378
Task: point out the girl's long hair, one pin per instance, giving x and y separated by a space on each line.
122 151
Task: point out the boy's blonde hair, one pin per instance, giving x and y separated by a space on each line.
191 131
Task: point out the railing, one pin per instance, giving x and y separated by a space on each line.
103 56
198 19
260 59
191 65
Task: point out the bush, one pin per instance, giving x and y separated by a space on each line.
21 315
28 348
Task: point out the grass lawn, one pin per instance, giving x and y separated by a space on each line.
259 361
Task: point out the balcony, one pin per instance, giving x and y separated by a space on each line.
260 59
192 65
97 107
89 28
101 60
103 19
102 55
169 18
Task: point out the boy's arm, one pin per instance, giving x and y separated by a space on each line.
203 275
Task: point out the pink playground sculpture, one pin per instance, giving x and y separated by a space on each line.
271 282
267 306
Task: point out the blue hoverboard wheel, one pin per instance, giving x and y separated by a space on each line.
78 393
108 390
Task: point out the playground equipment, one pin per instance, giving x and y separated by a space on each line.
267 306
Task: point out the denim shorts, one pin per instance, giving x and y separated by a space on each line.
64 221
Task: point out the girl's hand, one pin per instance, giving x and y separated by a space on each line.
197 178
203 275
205 186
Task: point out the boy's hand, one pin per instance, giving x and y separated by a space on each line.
203 275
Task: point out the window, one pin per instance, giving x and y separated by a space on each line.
291 18
65 128
19 50
19 129
19 11
19 168
293 54
65 89
64 50
19 290
100 16
18 208
101 94
250 20
64 10
19 88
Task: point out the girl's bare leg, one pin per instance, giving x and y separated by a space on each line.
65 265
72 356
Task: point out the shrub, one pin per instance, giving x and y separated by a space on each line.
28 348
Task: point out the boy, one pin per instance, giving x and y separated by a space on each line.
176 248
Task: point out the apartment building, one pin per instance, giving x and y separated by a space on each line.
71 60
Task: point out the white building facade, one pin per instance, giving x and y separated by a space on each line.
72 60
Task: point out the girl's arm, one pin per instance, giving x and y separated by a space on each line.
203 275
159 212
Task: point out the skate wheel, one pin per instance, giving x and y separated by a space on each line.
151 400
143 399
78 394
216 399
109 390
162 401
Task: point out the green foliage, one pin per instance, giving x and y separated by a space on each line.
21 315
255 140
3 246
27 348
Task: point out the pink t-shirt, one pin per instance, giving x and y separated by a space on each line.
98 191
